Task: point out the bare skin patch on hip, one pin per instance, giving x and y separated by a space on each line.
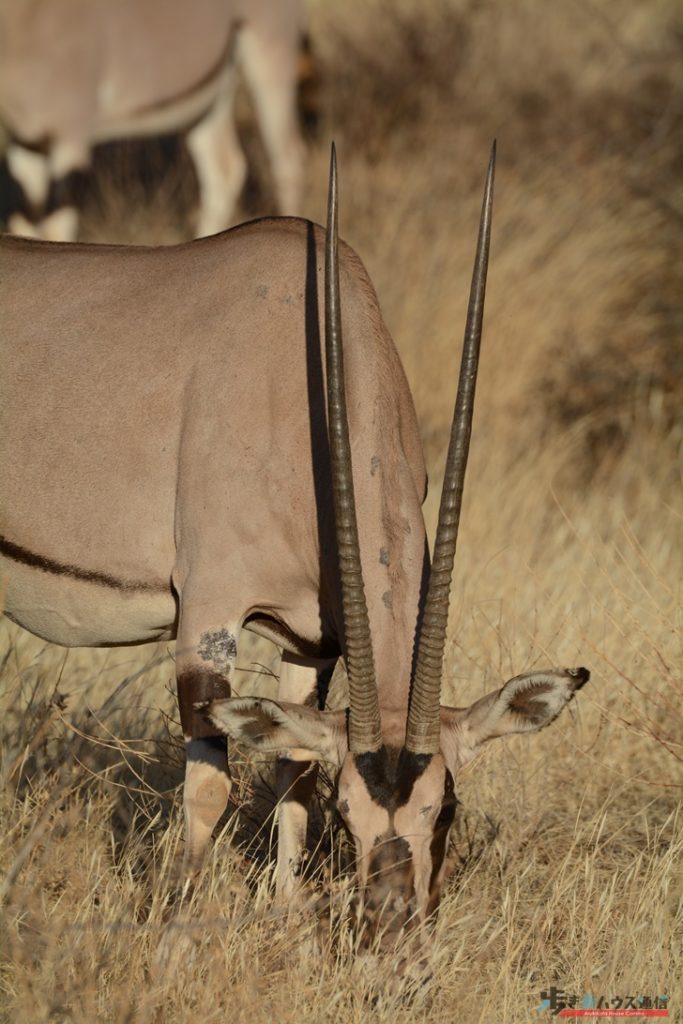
219 647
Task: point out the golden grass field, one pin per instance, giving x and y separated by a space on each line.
568 848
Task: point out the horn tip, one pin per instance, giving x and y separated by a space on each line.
492 158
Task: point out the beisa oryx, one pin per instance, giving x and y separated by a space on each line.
80 72
181 456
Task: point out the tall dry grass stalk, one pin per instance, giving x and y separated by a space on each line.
567 849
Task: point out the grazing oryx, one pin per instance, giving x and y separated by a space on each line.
79 72
171 467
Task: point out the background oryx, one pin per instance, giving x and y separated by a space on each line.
79 72
210 496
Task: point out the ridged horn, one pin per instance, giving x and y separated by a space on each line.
364 719
423 726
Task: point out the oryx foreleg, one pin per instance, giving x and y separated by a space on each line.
295 775
205 664
50 183
69 162
31 172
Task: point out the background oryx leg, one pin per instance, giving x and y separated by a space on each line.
69 161
270 66
50 184
220 164
30 170
295 779
205 663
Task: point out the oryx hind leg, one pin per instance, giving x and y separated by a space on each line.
219 161
295 775
205 664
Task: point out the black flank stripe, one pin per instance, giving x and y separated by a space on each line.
103 579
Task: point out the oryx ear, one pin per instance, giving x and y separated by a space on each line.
526 703
269 725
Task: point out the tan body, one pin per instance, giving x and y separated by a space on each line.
170 466
182 443
80 72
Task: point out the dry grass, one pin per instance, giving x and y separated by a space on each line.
568 848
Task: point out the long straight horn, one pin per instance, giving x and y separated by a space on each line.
423 728
364 719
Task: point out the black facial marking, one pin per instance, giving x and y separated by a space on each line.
384 556
49 565
439 843
390 878
375 463
390 774
386 855
448 803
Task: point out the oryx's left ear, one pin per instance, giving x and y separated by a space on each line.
270 725
526 703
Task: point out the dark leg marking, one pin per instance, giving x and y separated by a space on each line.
65 191
195 686
390 774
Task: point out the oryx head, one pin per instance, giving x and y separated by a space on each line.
397 767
